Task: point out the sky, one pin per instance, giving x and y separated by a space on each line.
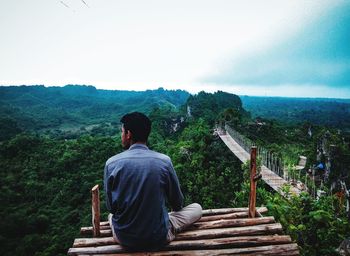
265 48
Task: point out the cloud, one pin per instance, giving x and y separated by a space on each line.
318 54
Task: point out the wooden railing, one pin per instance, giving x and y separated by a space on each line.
95 208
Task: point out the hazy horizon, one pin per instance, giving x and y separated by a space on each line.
145 89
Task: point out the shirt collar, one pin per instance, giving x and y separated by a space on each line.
138 146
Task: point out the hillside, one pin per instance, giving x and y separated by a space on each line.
73 110
334 113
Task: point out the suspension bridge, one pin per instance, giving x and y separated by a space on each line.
272 169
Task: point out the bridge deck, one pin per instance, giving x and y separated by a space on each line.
272 179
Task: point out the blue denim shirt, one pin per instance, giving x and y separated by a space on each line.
137 183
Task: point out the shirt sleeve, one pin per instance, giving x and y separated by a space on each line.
174 193
108 181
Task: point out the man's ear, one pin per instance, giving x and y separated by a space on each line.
128 135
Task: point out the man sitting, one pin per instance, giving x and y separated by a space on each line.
138 182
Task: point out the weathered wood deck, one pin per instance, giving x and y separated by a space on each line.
219 232
272 179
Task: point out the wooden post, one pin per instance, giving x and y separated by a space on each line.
252 194
95 211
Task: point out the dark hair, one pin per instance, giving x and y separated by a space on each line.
138 124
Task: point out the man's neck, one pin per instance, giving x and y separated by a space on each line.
138 145
139 142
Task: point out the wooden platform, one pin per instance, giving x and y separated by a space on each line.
226 231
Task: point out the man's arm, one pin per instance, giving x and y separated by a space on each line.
174 193
107 180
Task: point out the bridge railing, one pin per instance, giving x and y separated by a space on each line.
269 159
244 142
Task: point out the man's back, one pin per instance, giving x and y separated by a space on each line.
137 183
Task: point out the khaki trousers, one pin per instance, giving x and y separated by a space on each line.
182 219
179 220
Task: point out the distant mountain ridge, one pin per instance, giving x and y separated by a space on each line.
330 112
35 108
73 110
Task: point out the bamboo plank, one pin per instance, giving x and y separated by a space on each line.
275 228
276 250
195 244
103 233
88 230
107 249
232 223
229 210
229 242
234 215
282 249
231 215
88 242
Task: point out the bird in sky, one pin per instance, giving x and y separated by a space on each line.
85 3
66 5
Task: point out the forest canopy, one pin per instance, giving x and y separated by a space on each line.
55 141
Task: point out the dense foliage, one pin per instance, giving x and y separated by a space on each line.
47 172
45 185
318 226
